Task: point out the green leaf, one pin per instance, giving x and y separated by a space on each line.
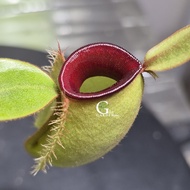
24 89
170 53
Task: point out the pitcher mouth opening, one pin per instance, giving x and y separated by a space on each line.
98 59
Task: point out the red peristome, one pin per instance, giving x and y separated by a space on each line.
98 59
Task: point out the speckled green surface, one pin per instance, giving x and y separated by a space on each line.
89 135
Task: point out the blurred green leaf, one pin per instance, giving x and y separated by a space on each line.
97 83
24 89
170 53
